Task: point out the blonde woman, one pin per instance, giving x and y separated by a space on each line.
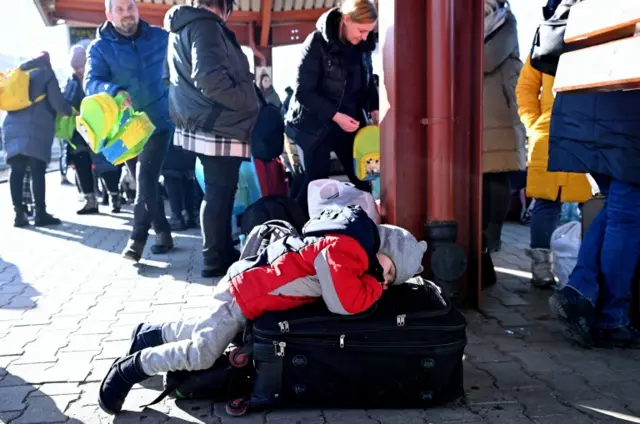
504 148
334 90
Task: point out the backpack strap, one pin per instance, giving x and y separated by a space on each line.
40 97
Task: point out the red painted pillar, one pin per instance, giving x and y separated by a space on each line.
402 104
439 119
467 173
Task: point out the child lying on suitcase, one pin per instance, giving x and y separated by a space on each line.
343 257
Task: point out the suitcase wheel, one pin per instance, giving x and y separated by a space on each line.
238 358
237 407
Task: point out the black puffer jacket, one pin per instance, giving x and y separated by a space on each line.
322 78
211 91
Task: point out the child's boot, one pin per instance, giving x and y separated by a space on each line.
541 267
116 385
144 336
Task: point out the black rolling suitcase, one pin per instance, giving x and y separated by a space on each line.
404 352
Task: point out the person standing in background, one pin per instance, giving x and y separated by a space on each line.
534 93
504 135
214 104
28 136
334 91
129 56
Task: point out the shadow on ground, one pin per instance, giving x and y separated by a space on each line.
14 292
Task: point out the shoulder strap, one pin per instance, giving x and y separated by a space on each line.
40 97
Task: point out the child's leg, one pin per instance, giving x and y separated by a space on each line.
208 339
196 345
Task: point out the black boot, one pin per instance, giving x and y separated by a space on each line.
576 314
164 243
45 219
133 250
116 385
211 270
21 219
116 202
626 337
177 223
144 336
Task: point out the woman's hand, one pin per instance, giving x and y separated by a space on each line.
375 117
347 123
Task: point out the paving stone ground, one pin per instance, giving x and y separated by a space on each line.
68 303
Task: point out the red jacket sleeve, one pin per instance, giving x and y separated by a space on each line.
346 287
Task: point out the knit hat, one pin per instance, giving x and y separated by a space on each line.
77 57
403 249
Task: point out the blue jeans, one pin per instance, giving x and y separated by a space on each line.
148 206
545 216
609 254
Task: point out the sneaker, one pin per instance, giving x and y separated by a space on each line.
576 315
626 337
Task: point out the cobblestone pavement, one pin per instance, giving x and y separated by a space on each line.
68 303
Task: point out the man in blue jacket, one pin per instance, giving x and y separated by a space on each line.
599 133
129 55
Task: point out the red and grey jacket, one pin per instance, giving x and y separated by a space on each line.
335 259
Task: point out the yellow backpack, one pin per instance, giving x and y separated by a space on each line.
14 90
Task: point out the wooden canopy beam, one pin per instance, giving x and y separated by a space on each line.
265 12
155 12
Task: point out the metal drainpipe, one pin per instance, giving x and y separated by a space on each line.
448 261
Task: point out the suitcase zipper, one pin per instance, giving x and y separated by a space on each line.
279 347
400 322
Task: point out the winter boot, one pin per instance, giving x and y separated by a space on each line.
541 267
116 202
212 270
21 219
177 223
144 336
90 205
116 385
164 243
43 219
133 250
576 314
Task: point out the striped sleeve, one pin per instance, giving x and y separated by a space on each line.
346 287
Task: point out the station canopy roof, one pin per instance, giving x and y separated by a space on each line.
268 22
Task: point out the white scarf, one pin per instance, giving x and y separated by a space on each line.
494 21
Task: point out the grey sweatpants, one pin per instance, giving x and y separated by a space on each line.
195 345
